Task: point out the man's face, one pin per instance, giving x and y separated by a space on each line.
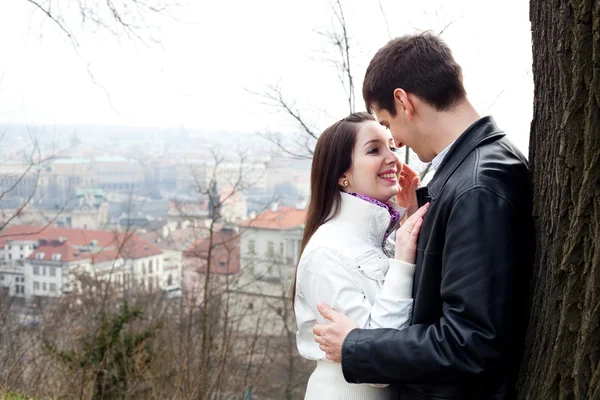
395 124
404 131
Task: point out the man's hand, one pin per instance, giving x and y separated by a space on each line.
331 336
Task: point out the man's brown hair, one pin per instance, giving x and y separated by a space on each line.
421 64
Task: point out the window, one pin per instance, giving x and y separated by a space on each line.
36 270
52 271
143 268
44 271
251 247
53 287
36 286
150 267
250 306
170 280
281 248
270 251
21 247
21 257
44 286
1 277
9 256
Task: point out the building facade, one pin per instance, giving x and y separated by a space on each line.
51 261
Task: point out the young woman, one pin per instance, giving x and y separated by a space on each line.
347 260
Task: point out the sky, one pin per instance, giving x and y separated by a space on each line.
213 56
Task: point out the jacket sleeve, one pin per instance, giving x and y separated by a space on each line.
478 272
324 278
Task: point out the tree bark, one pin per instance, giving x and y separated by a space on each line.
562 351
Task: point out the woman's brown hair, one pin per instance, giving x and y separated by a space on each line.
331 159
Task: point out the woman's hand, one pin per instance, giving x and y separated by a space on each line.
407 196
407 235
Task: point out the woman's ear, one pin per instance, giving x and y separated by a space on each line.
343 181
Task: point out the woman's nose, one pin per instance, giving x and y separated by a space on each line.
392 158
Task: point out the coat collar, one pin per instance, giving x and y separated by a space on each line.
481 131
361 219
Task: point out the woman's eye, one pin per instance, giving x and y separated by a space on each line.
374 150
393 149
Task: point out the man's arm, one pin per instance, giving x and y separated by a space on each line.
478 273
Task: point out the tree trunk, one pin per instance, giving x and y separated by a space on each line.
562 355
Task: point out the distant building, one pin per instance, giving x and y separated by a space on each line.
173 244
37 262
233 205
188 212
269 251
224 250
87 210
270 243
190 176
117 173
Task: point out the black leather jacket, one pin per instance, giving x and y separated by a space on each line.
474 255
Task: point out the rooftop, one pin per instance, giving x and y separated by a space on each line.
75 244
225 252
279 218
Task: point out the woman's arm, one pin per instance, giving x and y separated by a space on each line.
323 277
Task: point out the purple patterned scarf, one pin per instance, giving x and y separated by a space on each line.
394 214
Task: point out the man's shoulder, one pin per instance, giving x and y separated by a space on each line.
497 166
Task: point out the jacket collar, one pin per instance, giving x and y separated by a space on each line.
481 131
361 219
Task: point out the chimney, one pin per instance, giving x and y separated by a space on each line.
274 207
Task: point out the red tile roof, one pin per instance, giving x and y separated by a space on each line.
282 218
66 251
68 242
225 253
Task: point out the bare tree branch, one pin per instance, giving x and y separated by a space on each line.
387 26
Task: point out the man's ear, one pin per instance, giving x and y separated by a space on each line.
404 103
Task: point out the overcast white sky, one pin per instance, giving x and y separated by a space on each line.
199 76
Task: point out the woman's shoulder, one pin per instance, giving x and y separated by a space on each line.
321 253
326 237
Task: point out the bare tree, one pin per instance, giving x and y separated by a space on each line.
339 43
338 53
128 18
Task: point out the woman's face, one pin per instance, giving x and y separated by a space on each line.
375 166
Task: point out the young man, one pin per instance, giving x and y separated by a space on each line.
475 247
